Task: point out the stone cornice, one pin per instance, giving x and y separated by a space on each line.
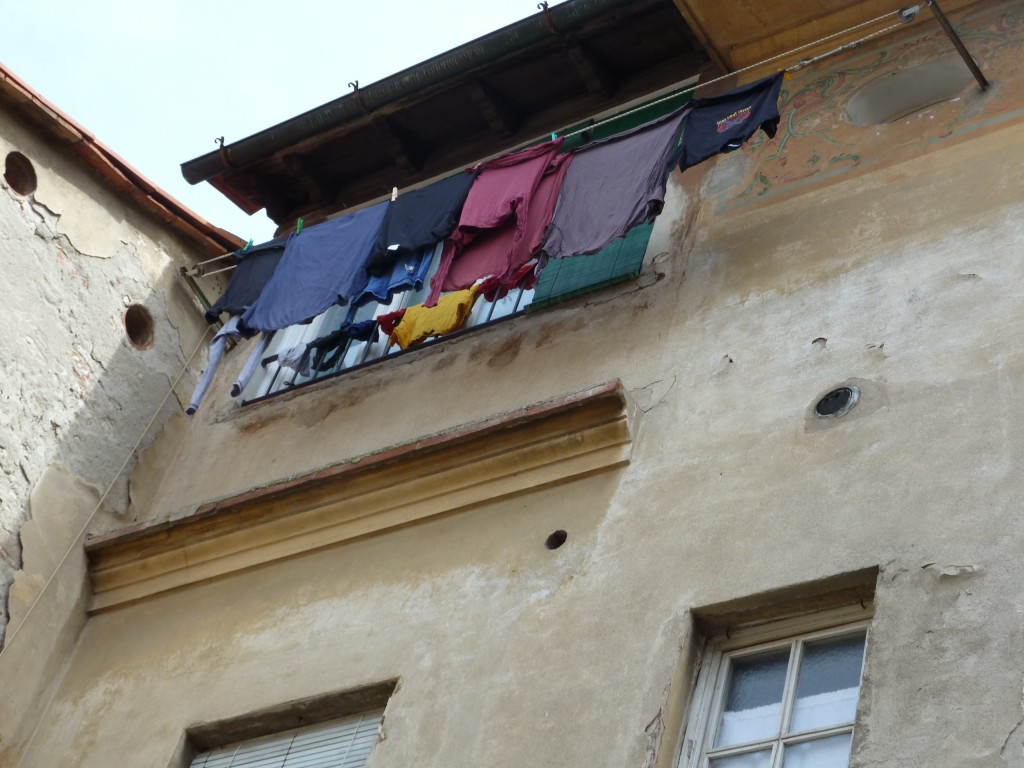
542 445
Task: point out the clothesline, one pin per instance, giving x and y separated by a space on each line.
907 13
904 14
489 231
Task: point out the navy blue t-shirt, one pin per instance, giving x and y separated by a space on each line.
323 265
722 123
254 268
419 219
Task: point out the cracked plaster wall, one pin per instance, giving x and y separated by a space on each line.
744 316
74 394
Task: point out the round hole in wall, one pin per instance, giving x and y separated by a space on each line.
19 173
138 324
837 402
556 539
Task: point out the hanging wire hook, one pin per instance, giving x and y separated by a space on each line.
225 156
543 8
358 95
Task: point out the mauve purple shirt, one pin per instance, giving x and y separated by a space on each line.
611 186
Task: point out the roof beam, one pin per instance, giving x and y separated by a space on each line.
596 77
699 29
408 153
500 116
315 184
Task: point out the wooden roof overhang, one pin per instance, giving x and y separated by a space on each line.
533 77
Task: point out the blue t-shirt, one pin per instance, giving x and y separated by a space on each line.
321 266
407 274
254 268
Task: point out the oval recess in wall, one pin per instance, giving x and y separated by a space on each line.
902 92
138 324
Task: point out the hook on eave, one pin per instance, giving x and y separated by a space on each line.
357 94
543 8
225 153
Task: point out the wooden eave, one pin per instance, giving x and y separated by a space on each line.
110 168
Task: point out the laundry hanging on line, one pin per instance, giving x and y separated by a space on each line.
724 123
512 214
408 273
231 330
612 186
327 350
254 361
447 316
419 219
254 267
217 347
498 204
322 266
493 255
322 353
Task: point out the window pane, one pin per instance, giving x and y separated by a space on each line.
833 752
828 683
749 760
753 700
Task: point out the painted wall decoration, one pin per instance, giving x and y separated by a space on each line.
817 144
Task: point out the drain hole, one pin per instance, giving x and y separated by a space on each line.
837 402
556 539
138 324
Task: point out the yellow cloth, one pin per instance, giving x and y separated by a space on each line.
422 322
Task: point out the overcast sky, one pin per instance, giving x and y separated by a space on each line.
157 82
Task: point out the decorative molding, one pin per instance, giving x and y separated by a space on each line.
543 445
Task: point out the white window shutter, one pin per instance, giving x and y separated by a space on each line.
342 743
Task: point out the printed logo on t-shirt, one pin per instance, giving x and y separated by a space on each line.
736 118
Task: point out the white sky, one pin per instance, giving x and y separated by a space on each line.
157 82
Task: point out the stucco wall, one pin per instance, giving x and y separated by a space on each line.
898 270
74 394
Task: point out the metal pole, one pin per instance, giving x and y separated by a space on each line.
958 43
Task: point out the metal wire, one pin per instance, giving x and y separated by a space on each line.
756 65
848 46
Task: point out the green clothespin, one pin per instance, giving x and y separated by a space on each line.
247 246
554 136
298 225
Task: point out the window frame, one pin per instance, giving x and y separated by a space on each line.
253 749
696 749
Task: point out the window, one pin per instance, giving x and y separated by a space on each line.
783 702
342 743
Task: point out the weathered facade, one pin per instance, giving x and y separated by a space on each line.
388 537
98 326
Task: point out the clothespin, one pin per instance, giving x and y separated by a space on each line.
247 246
394 194
298 225
785 74
553 135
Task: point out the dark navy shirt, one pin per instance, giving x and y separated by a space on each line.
254 268
418 219
722 123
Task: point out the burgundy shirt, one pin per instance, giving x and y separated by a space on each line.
493 236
